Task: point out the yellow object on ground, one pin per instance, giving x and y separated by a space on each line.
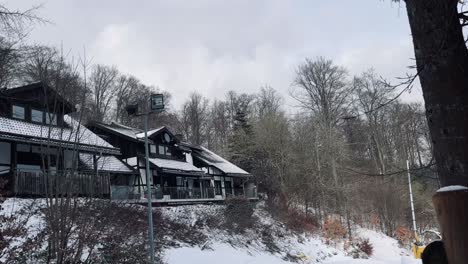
417 250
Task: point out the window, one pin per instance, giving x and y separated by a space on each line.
51 119
152 149
37 116
68 158
218 187
23 148
228 187
161 150
179 181
5 157
18 112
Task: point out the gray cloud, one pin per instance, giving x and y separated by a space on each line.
215 46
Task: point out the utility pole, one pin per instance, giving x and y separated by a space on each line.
148 191
156 105
411 200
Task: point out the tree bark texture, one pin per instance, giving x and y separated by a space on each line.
442 64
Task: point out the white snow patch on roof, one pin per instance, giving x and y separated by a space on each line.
174 165
217 161
76 133
452 188
104 163
169 164
150 133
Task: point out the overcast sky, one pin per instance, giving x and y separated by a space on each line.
213 46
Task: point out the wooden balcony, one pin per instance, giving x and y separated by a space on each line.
43 183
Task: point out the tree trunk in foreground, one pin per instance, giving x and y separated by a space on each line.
442 63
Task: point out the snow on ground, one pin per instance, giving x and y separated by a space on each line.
233 248
386 251
227 249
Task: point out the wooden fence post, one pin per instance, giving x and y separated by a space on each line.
452 213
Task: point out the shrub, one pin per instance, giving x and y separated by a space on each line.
366 247
238 214
301 223
333 229
403 235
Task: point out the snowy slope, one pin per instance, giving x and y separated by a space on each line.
312 249
215 244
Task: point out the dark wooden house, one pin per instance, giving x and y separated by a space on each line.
43 150
180 172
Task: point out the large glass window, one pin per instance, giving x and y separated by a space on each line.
69 156
218 187
5 156
18 112
37 116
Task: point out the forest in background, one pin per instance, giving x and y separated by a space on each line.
342 153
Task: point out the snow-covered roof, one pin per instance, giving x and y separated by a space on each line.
175 165
150 133
121 129
168 164
104 163
75 133
217 161
129 132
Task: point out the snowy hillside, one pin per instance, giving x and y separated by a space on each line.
290 247
199 234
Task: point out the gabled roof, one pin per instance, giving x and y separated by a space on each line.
131 133
212 159
151 132
49 91
75 136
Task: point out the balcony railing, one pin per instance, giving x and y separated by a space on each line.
176 193
42 183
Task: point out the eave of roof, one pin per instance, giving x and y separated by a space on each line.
62 144
115 130
75 136
37 85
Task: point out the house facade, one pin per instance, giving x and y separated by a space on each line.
180 172
44 150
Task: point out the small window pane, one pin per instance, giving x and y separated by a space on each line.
51 119
161 150
37 116
23 148
152 149
18 112
168 152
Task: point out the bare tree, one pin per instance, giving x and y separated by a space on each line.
195 117
103 85
322 88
